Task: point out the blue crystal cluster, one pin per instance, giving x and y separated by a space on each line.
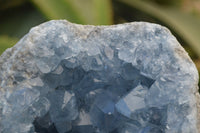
68 78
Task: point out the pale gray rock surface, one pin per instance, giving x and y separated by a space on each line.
68 78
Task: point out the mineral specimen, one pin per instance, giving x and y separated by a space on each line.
68 78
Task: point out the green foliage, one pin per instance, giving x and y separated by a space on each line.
95 12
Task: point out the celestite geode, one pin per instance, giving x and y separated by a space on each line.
68 78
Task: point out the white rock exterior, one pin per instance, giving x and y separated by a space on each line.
127 78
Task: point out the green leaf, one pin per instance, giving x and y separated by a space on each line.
77 11
59 9
103 11
186 25
6 42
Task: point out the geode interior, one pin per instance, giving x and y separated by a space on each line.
68 78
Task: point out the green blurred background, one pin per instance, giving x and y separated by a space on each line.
182 17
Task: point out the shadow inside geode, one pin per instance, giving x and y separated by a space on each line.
96 100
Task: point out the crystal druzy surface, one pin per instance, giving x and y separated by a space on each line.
69 78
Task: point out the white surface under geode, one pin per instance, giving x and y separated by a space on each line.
150 48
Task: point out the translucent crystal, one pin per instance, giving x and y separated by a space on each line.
68 78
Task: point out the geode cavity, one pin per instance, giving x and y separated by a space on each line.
69 78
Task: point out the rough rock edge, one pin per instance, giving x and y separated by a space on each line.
198 110
181 53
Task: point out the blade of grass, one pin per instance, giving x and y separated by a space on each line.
95 12
59 9
6 42
187 26
103 11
